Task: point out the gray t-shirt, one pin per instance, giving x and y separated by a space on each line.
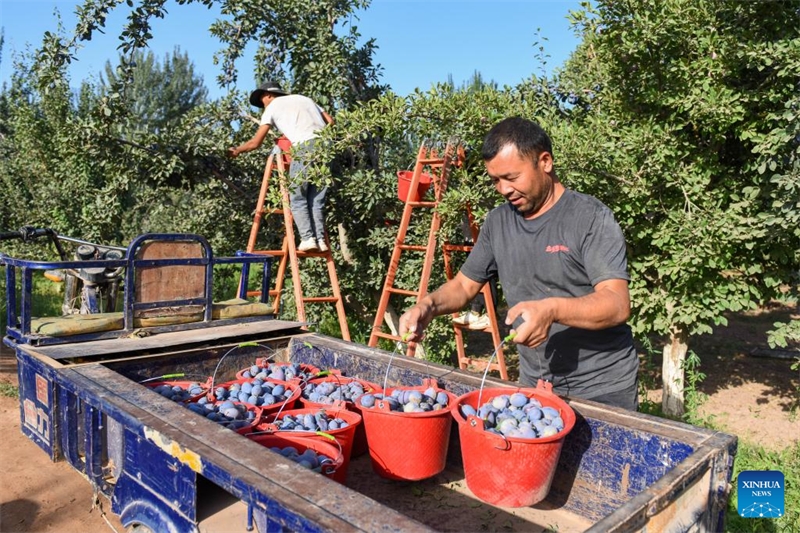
563 253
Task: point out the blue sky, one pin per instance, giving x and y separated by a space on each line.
420 42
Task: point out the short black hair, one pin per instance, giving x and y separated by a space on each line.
528 137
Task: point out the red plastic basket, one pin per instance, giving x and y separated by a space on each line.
345 436
360 439
510 471
404 178
335 471
408 446
285 145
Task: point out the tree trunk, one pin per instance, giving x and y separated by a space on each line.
672 401
346 255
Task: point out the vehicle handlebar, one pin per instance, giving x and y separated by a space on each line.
27 233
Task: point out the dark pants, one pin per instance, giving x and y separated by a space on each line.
627 398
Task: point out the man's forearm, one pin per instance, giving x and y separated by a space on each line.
446 299
604 308
452 296
248 146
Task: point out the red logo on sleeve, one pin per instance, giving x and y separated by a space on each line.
555 248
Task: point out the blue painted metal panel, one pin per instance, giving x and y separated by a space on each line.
37 404
138 504
161 474
69 418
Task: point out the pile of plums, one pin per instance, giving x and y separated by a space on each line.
280 372
517 415
309 458
227 413
256 392
409 400
327 392
179 393
319 421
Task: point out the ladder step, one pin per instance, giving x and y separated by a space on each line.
413 247
431 161
312 254
387 335
395 290
457 247
254 292
422 204
487 329
272 292
321 299
273 211
278 253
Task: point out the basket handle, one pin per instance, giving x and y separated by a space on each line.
478 424
268 429
544 386
508 338
240 345
339 461
383 405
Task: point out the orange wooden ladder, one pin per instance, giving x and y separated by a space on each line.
289 254
438 169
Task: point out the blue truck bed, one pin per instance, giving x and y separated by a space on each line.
167 469
159 463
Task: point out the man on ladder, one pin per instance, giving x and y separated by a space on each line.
299 119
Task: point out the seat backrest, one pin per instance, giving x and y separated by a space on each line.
169 282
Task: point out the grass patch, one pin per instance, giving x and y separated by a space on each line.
8 390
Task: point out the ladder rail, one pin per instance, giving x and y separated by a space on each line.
399 243
491 311
440 169
262 196
440 185
426 158
258 216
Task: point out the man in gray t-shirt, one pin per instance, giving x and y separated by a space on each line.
560 257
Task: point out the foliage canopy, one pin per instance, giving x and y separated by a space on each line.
683 117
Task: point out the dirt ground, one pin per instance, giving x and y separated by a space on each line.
752 392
